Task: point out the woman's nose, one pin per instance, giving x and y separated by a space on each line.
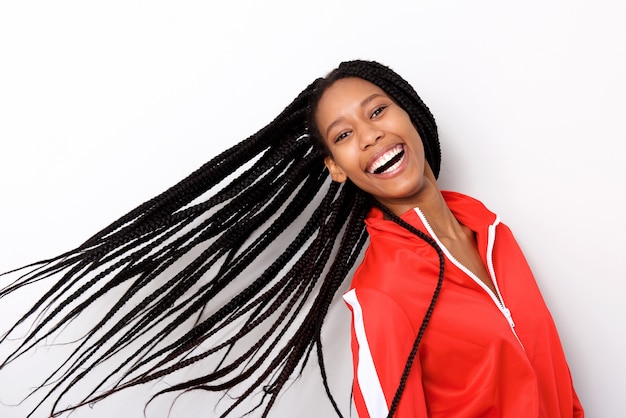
371 135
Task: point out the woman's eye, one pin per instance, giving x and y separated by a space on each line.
341 136
377 111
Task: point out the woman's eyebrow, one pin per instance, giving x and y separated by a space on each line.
370 98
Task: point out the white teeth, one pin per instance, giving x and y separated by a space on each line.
385 158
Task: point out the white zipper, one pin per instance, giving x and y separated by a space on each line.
498 300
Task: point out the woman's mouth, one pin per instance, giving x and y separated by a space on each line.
388 161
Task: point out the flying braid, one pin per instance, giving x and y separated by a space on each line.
229 274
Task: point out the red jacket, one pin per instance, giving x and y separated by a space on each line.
478 357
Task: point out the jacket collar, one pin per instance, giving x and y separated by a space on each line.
467 210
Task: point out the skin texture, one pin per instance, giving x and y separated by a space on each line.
359 123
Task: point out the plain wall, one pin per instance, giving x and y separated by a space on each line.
104 105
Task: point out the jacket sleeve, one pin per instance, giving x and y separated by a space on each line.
382 338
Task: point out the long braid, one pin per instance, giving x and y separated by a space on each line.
154 272
429 311
223 233
298 207
197 330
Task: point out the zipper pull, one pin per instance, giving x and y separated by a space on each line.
508 316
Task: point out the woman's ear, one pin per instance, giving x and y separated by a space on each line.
336 173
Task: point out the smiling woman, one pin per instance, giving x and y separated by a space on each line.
372 141
446 317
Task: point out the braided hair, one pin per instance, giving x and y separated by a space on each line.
257 241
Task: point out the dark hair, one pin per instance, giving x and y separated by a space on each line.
215 253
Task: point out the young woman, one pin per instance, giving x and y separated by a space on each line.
241 261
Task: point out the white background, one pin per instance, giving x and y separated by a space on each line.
104 105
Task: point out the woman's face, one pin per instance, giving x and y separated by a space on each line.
372 141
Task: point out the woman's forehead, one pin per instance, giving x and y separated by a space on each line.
347 92
349 86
